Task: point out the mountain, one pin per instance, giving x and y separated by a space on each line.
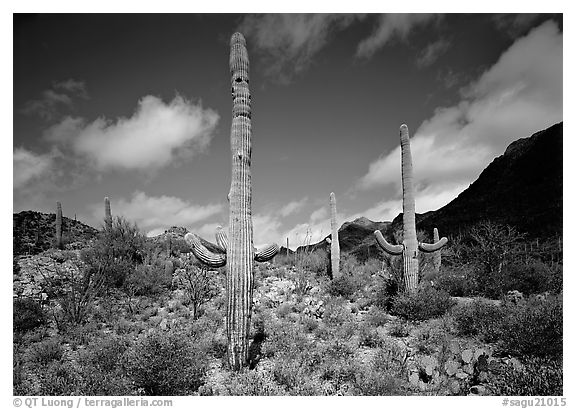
34 232
521 188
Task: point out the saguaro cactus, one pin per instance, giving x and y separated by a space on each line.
239 254
437 255
410 246
334 242
58 225
107 214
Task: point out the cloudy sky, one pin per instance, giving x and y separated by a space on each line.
138 108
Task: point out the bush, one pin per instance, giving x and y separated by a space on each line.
458 282
481 318
399 329
537 377
44 352
27 314
145 279
343 286
426 303
532 278
533 328
197 282
315 262
166 363
102 370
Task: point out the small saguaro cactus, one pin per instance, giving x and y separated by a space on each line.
107 214
334 242
239 253
410 246
437 255
58 225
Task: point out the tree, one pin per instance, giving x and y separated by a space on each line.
197 281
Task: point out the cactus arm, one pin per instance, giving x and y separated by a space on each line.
392 249
221 238
266 253
203 254
430 248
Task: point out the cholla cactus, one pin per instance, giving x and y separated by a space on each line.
107 214
58 225
410 246
334 242
239 253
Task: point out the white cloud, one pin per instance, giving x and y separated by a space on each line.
388 27
288 42
519 95
28 166
319 214
293 207
60 95
151 138
155 214
432 52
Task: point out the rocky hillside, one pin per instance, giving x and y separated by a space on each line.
34 232
522 188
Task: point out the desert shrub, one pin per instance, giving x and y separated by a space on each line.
385 289
44 352
315 262
479 318
251 383
533 328
399 329
428 302
116 252
376 317
27 314
166 363
102 370
456 281
532 278
198 283
368 336
147 279
343 286
338 317
536 377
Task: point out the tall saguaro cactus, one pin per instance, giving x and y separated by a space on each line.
334 242
107 214
437 255
239 252
58 225
410 246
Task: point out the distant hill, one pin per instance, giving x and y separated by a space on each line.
34 232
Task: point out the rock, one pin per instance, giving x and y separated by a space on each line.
479 390
469 369
454 387
164 324
414 379
451 368
455 347
467 355
461 374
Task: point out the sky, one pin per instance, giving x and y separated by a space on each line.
138 108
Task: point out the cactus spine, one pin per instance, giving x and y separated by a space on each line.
239 251
58 225
410 246
335 244
107 214
436 256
